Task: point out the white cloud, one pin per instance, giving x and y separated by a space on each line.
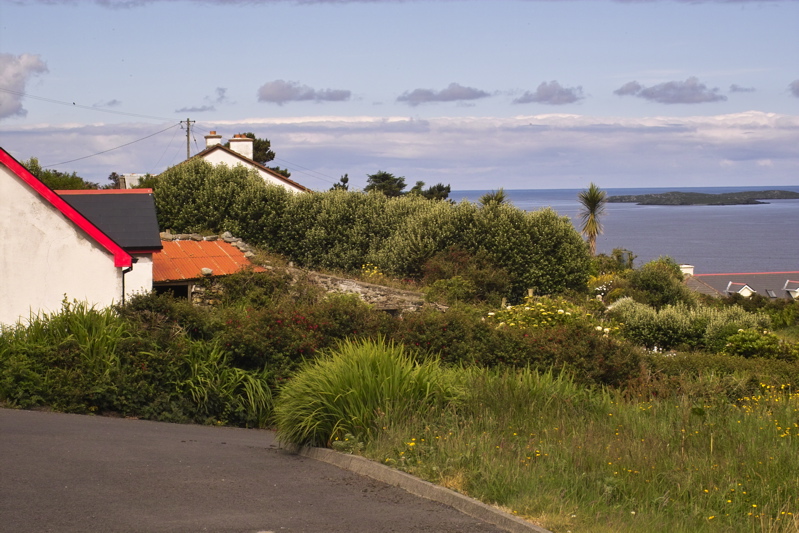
551 93
15 73
453 93
526 151
279 92
690 91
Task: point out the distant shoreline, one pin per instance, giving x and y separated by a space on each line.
696 198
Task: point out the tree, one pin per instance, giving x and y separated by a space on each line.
261 148
343 184
114 179
593 201
493 198
417 189
386 183
57 180
439 191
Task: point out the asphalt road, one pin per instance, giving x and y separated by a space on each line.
70 473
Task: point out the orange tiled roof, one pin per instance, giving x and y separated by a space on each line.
183 260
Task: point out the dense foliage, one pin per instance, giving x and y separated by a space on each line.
341 230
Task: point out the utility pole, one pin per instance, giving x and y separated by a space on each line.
188 136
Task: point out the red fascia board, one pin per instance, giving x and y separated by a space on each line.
104 191
744 274
121 257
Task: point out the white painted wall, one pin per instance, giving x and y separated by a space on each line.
140 279
44 256
218 157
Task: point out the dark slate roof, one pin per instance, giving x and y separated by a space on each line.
126 215
761 282
700 286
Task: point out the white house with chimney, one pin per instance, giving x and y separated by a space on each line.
241 153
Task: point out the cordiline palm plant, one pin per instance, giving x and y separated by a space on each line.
593 201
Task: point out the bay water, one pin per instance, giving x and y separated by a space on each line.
715 239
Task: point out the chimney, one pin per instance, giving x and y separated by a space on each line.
212 139
242 145
687 270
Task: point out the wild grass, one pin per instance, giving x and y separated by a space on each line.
574 459
351 389
222 392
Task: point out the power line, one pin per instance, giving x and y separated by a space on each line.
165 149
111 149
323 177
73 104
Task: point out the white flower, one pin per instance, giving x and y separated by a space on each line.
598 328
561 311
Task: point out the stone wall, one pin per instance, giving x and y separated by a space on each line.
207 292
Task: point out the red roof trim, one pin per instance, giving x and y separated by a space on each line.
745 274
121 257
103 191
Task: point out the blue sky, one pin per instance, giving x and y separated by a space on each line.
479 95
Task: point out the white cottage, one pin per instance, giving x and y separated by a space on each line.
50 249
241 153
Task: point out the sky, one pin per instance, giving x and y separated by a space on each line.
518 94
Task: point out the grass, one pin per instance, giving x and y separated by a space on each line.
350 390
572 459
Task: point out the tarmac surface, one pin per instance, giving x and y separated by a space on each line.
72 473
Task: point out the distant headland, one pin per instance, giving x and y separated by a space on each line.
698 198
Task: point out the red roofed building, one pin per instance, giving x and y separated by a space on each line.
181 264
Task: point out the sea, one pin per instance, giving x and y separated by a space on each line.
714 239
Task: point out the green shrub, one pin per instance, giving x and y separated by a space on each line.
680 325
457 275
258 289
429 229
353 389
753 343
452 290
464 335
269 338
196 196
164 316
706 375
658 284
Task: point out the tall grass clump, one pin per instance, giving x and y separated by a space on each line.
221 392
355 389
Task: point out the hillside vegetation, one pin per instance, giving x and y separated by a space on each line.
612 398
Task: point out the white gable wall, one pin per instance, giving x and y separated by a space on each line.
44 256
140 279
217 157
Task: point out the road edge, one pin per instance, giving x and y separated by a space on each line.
419 487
